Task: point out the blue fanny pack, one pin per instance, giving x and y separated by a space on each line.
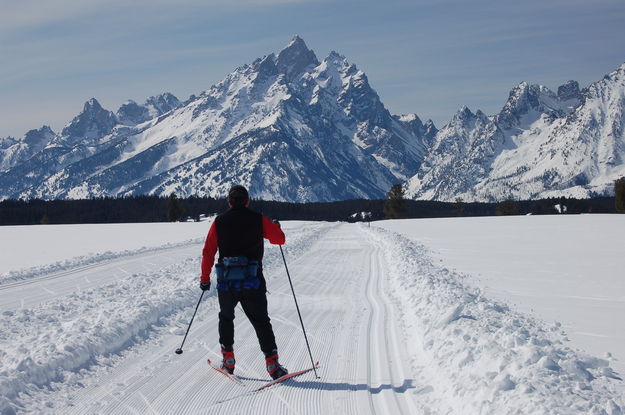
237 272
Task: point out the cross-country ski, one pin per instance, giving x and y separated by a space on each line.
230 376
286 377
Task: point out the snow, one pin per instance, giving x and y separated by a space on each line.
34 246
396 329
540 145
407 117
321 117
478 355
561 268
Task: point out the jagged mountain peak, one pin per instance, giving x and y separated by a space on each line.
6 142
165 97
618 72
340 62
613 81
530 100
131 113
335 72
160 104
463 114
92 104
16 151
297 41
425 131
296 58
429 123
569 91
39 137
411 121
542 144
464 120
290 126
334 56
92 123
266 66
524 94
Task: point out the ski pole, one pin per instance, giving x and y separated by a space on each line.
299 314
179 350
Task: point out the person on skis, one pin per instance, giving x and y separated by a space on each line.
238 235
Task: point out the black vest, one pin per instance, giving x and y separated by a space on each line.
240 233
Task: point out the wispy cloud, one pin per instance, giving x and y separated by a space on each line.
29 14
429 56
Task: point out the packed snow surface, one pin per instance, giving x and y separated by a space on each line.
395 329
34 246
563 268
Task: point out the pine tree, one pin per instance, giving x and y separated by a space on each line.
459 205
505 208
395 206
174 208
619 195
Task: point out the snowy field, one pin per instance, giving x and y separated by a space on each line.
567 269
35 246
419 316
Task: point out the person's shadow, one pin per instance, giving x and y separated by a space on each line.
345 386
330 386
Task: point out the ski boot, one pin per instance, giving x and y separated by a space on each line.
228 361
274 368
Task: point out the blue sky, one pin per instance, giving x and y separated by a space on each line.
428 57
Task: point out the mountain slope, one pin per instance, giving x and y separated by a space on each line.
14 152
293 127
541 144
288 126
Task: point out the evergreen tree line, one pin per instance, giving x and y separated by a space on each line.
161 209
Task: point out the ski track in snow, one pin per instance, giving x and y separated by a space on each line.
78 264
482 357
395 334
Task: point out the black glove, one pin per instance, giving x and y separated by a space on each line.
277 222
205 286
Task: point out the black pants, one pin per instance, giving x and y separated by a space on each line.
254 303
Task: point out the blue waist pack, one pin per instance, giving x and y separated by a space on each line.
236 269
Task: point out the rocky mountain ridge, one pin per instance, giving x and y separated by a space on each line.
296 128
289 126
541 144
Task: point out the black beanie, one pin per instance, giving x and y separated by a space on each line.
238 195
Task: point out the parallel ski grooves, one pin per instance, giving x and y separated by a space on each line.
340 286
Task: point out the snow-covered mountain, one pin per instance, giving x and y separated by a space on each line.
541 144
289 126
296 128
13 151
131 113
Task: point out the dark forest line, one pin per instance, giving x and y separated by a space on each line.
155 209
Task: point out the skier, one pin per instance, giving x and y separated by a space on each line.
238 235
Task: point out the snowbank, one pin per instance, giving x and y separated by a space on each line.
560 268
481 356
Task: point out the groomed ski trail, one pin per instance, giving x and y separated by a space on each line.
341 287
395 331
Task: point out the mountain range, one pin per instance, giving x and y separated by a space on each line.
293 127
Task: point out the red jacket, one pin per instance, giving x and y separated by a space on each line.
271 231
